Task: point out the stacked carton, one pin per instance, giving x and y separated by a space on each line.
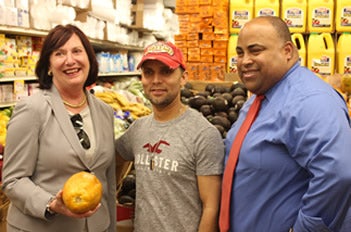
203 37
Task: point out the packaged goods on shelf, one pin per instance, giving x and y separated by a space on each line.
321 54
203 37
320 16
343 52
343 16
294 13
232 56
81 4
267 7
19 56
240 12
299 42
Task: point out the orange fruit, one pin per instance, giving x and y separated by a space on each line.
82 192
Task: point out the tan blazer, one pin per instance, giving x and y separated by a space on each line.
43 150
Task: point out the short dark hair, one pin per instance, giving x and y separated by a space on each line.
56 38
280 27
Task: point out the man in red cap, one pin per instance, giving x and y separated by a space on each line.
177 153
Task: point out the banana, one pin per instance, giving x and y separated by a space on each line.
118 102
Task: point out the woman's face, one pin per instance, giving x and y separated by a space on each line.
70 64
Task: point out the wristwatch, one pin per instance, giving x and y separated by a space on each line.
48 212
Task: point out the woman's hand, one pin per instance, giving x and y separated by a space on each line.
58 206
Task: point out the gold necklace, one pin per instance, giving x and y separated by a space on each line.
77 105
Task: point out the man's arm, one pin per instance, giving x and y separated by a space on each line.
210 192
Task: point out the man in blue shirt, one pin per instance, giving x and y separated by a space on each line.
294 168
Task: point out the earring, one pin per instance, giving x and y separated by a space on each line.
50 73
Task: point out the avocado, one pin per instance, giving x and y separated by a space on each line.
223 121
232 116
220 129
185 92
239 91
237 85
237 98
222 113
206 110
216 95
126 200
188 85
227 96
185 100
219 89
204 94
238 105
210 88
197 101
219 104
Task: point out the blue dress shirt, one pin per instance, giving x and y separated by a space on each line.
294 168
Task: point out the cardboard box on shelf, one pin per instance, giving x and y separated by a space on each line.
138 14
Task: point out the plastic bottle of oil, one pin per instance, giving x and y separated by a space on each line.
232 56
240 11
321 54
320 16
294 13
343 53
299 42
266 7
343 16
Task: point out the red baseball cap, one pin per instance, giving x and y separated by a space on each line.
166 52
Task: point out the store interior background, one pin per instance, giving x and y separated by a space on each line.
205 31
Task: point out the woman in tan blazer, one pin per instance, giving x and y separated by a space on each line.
43 147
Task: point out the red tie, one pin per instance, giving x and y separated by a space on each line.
224 222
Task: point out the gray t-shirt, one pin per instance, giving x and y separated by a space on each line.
167 158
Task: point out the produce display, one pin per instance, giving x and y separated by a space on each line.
82 192
342 83
127 99
120 102
5 115
219 103
126 192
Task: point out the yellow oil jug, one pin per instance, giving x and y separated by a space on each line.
343 16
320 16
267 7
343 53
294 13
321 54
232 56
240 11
299 42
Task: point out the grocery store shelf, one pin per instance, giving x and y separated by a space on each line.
21 31
25 78
6 104
102 75
122 74
109 45
98 44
